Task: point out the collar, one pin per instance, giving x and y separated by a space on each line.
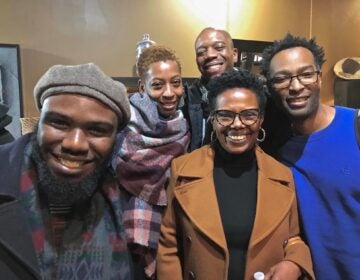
204 158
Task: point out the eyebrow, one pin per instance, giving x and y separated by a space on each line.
52 114
299 70
212 43
157 79
228 110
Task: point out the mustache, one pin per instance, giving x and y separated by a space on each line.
59 191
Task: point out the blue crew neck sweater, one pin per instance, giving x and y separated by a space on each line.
326 168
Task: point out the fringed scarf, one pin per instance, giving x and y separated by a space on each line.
93 247
145 150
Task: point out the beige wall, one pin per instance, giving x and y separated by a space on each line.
336 25
106 31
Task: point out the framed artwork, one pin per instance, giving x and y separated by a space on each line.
250 54
10 85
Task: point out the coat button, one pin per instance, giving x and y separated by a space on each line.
191 275
188 238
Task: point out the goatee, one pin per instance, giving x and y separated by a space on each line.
60 191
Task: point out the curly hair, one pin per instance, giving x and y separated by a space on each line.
154 54
288 42
237 79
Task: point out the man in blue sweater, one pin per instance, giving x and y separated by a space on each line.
323 154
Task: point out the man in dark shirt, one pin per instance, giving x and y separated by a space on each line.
215 54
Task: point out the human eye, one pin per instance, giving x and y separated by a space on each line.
156 85
251 114
280 79
99 130
200 51
60 124
219 46
307 74
249 117
225 115
176 82
57 122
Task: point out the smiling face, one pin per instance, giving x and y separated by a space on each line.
298 101
162 82
215 53
76 134
237 138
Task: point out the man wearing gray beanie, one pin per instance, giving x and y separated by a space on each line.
61 207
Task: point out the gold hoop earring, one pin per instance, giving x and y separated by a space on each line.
263 135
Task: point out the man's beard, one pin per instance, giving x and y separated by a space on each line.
60 191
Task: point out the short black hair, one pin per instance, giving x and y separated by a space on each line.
239 78
288 42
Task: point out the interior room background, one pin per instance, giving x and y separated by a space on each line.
106 31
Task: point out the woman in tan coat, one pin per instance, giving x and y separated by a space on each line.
232 208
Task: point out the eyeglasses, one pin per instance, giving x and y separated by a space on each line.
226 117
305 78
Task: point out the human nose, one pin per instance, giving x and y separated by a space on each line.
169 91
75 141
295 84
237 122
211 52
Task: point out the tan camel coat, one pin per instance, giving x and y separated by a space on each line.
192 243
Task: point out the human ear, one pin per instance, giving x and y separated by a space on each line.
141 86
235 55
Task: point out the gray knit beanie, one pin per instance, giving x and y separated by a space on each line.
85 79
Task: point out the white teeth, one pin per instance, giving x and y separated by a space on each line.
71 163
300 99
237 137
213 66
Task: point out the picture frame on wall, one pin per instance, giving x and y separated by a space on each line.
10 85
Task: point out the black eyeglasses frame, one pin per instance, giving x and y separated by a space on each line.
215 115
299 77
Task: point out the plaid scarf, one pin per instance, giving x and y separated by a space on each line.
145 150
92 247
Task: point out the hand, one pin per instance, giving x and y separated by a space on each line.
284 270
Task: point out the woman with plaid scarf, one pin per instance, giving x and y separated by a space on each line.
156 134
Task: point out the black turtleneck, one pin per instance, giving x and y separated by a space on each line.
235 178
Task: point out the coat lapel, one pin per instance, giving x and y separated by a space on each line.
197 197
17 239
275 198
